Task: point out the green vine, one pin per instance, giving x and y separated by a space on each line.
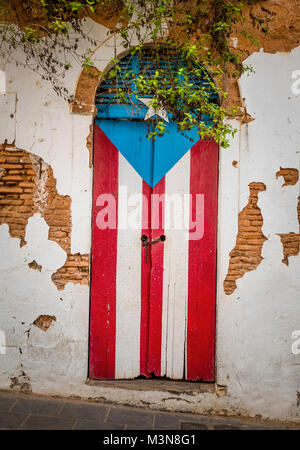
195 32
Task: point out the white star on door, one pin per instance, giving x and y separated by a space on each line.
161 112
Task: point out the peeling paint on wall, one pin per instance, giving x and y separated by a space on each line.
35 266
283 35
44 322
291 241
246 255
291 176
75 270
57 214
89 144
84 100
27 186
290 244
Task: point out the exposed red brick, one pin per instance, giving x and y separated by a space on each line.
291 241
35 266
43 322
57 214
32 190
27 186
75 270
246 255
291 176
84 100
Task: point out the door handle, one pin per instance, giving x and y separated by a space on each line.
146 243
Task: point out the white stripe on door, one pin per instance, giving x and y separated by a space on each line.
175 282
128 303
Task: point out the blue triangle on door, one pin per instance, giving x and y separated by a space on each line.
151 159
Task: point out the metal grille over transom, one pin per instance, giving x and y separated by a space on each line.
109 103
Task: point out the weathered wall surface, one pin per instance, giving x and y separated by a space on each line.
264 309
45 205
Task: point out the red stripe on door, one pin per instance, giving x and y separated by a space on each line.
202 265
156 280
145 280
104 262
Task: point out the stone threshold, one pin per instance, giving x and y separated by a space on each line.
176 387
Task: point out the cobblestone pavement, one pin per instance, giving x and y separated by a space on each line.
29 412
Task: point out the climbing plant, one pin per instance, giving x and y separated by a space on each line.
49 34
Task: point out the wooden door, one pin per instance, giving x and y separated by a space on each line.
154 264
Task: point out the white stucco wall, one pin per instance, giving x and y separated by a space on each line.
254 358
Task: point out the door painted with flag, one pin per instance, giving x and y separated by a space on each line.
153 270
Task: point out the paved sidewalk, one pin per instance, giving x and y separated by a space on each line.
29 412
